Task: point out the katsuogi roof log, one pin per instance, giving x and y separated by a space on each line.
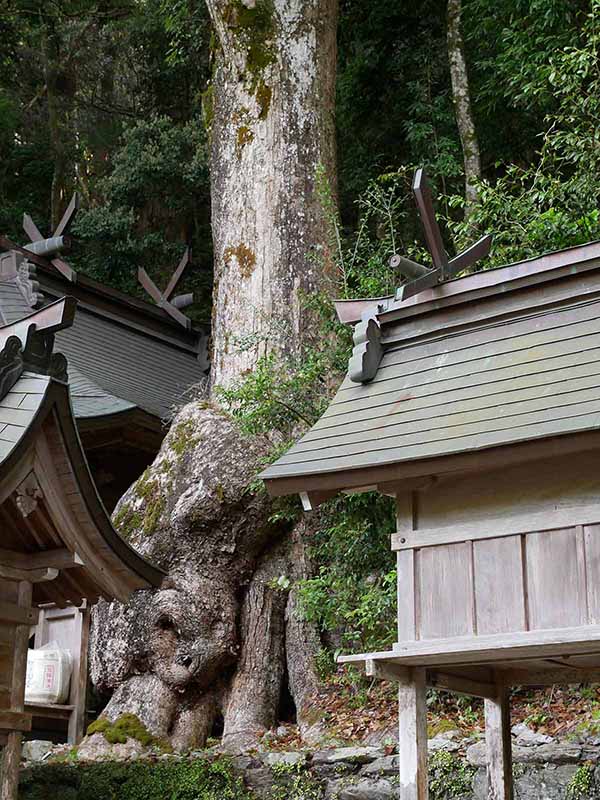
51 516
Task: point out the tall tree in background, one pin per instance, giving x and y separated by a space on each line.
462 104
272 122
222 642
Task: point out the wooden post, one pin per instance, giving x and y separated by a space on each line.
80 675
12 750
412 742
497 739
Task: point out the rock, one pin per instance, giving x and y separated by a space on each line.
526 737
274 759
382 737
554 753
35 750
367 789
260 782
386 765
245 762
96 748
351 755
442 742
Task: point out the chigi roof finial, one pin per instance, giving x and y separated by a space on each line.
420 277
57 243
163 299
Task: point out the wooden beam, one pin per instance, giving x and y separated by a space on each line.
412 741
523 677
489 648
10 612
59 558
460 685
310 500
386 671
15 721
497 528
31 575
498 745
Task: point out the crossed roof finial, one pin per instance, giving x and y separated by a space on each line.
162 299
57 243
421 277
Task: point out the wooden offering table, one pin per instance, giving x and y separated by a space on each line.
58 544
476 404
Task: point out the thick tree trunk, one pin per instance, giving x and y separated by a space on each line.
462 105
272 126
255 692
223 632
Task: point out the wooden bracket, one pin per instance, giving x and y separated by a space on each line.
30 575
60 558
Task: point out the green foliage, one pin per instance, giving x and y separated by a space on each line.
158 177
166 780
294 783
449 776
581 784
552 202
355 588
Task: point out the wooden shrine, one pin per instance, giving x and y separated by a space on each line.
115 343
476 404
58 544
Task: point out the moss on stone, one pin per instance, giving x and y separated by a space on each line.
127 520
440 726
449 776
245 258
581 784
194 779
127 726
181 437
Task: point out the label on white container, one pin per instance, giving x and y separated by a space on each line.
48 675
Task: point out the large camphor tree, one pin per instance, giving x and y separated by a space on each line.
222 642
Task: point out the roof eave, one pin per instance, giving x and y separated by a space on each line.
403 474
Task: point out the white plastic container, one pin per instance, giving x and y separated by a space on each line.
48 675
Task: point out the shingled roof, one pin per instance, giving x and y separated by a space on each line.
490 360
48 500
124 354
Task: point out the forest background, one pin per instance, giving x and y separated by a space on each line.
112 98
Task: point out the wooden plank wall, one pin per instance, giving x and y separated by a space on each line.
542 578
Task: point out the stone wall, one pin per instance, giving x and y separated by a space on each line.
544 769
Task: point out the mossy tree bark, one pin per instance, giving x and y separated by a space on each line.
271 121
223 639
462 105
